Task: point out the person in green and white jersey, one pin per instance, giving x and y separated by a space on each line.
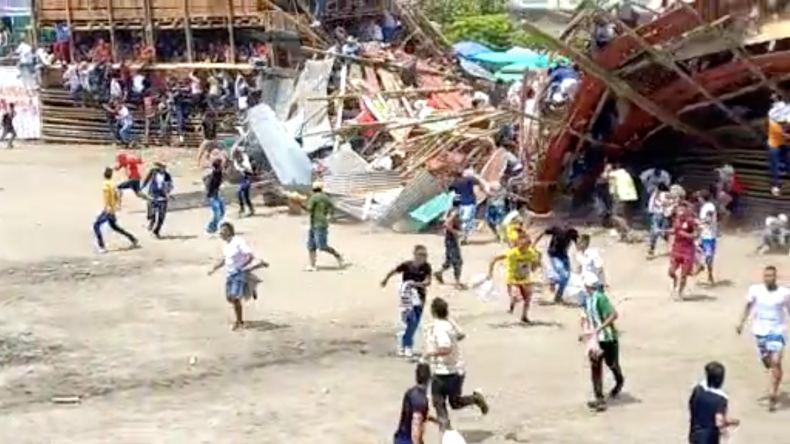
600 315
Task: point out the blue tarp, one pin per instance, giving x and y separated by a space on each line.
514 55
469 49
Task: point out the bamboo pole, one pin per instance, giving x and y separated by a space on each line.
188 32
394 93
620 87
231 31
670 63
111 24
339 103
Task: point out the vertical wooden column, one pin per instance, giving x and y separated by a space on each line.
72 34
34 22
111 22
231 32
148 34
188 32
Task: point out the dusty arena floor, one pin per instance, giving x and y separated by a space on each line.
143 336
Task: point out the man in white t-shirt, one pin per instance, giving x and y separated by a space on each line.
237 259
447 368
775 234
590 261
709 228
769 304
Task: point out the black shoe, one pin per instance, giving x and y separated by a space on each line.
481 402
598 405
616 391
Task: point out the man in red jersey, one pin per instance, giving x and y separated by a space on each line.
132 165
681 262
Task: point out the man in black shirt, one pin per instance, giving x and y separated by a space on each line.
414 412
209 127
708 408
416 277
213 183
560 272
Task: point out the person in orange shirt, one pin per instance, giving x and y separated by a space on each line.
777 150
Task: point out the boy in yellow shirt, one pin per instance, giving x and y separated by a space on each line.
107 215
520 260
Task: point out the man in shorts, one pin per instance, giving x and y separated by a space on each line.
320 209
708 222
520 260
683 252
768 304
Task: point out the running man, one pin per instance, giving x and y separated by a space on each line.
415 280
601 315
444 355
684 249
414 409
132 165
213 182
520 260
708 222
320 209
238 262
708 407
769 304
452 247
159 185
560 270
241 163
108 213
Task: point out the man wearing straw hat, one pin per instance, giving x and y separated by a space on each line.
159 183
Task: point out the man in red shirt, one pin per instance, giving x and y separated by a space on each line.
681 261
132 165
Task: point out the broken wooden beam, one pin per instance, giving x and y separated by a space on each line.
620 87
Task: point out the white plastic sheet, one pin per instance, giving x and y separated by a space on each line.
452 437
484 287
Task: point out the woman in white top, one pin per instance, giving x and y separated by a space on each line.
237 258
447 369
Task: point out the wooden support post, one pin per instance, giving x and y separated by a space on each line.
620 87
339 103
231 33
111 24
188 32
34 23
71 30
668 62
148 33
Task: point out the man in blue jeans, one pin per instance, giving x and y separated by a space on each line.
414 410
560 270
320 209
416 278
213 183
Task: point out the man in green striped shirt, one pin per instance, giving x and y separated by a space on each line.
599 316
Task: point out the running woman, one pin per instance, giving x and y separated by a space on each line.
520 260
108 213
769 304
681 260
132 165
708 222
452 247
443 353
415 280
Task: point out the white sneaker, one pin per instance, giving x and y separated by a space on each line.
309 268
101 250
408 353
401 352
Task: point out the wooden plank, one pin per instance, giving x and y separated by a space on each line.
188 32
231 33
111 24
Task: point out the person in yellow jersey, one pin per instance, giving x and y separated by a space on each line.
520 260
108 213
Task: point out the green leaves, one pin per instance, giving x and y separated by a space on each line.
496 31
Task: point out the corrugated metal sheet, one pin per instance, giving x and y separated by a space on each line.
358 183
359 207
276 92
311 116
418 191
344 160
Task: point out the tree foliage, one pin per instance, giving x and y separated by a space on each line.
482 21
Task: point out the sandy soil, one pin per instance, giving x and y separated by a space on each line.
120 330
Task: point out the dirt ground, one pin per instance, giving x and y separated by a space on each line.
143 336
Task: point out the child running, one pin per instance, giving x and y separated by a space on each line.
520 260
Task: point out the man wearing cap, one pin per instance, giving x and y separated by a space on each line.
159 184
600 315
320 209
